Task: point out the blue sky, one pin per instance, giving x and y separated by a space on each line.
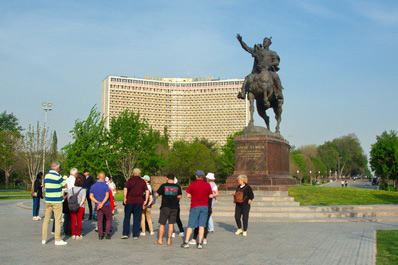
338 58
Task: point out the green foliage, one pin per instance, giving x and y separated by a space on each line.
329 155
387 247
89 150
54 147
353 161
8 122
319 166
8 152
133 144
187 157
226 161
315 195
384 156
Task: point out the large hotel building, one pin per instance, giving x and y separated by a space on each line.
189 107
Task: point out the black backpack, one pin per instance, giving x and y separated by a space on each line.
73 202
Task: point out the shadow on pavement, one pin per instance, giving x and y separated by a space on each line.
227 227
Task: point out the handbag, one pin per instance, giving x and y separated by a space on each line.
33 194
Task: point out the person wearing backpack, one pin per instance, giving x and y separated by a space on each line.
242 199
76 200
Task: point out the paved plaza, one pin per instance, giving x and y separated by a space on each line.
267 243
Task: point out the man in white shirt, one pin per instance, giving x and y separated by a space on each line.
72 178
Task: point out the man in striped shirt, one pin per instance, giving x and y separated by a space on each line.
53 183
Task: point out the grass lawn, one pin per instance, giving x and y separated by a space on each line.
314 195
387 247
5 193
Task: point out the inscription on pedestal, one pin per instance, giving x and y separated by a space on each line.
250 156
250 151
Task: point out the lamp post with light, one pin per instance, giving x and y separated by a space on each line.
46 107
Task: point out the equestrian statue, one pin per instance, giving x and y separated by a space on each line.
263 83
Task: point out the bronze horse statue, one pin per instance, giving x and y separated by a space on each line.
263 84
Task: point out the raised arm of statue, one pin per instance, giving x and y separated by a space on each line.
244 45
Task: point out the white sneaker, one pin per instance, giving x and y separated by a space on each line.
73 237
181 234
244 233
43 242
52 233
173 235
38 218
34 218
192 242
142 234
60 243
79 237
238 232
152 233
204 241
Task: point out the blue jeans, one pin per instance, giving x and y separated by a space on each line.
136 210
198 216
36 206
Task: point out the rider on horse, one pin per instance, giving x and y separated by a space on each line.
269 61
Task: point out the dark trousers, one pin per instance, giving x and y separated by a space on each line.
36 206
136 210
67 230
104 212
90 206
196 231
242 211
179 223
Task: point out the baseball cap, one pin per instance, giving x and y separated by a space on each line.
199 173
146 177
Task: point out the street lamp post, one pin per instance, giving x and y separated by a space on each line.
311 177
47 108
298 172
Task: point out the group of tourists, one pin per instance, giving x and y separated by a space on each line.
66 198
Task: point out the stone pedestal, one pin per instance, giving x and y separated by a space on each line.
264 157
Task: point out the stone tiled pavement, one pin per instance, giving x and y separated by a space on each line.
267 243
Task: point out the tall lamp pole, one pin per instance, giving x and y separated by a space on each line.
46 108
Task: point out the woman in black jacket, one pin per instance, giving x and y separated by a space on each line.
242 199
36 195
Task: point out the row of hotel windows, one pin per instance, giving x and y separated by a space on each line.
218 83
151 89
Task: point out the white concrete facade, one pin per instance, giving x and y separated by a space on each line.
189 108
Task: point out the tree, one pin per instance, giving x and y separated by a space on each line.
353 160
309 150
187 157
329 155
384 157
89 149
54 147
9 141
133 144
10 133
32 150
8 122
300 162
226 161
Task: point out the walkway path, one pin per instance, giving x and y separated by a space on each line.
267 243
